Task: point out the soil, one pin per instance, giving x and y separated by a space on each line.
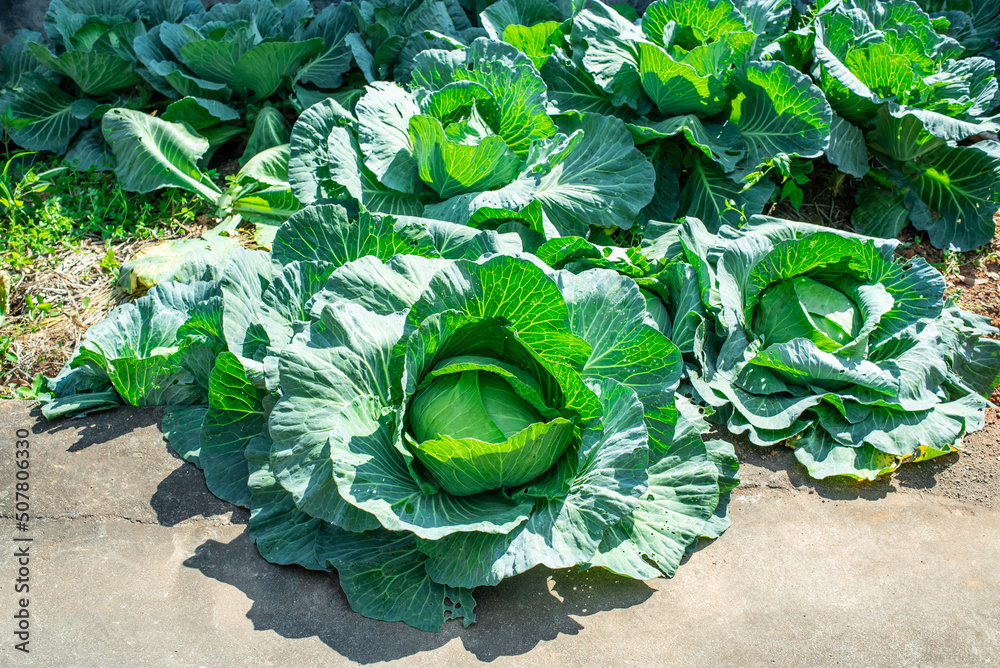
829 199
82 292
971 475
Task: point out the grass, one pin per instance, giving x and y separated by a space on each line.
74 205
59 233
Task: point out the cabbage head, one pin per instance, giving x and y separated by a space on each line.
828 339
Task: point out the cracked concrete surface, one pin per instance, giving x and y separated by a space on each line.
136 563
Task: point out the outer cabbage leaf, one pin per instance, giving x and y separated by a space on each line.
607 46
235 416
325 233
328 68
780 112
721 143
199 113
951 191
95 73
139 349
309 171
269 129
683 493
717 200
880 212
16 60
570 88
153 154
384 114
90 151
44 114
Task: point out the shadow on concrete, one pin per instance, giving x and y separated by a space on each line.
540 605
183 494
98 428
513 617
297 603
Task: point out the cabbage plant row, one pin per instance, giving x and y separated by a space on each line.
234 70
502 296
427 408
729 102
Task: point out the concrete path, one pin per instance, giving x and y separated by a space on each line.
135 563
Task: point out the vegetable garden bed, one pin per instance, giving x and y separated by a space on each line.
483 275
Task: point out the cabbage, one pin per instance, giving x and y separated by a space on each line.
827 341
421 407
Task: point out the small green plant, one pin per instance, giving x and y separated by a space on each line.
950 261
794 175
101 207
109 263
37 308
4 295
37 391
48 209
19 191
731 205
7 356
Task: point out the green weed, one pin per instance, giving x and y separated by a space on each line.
47 208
